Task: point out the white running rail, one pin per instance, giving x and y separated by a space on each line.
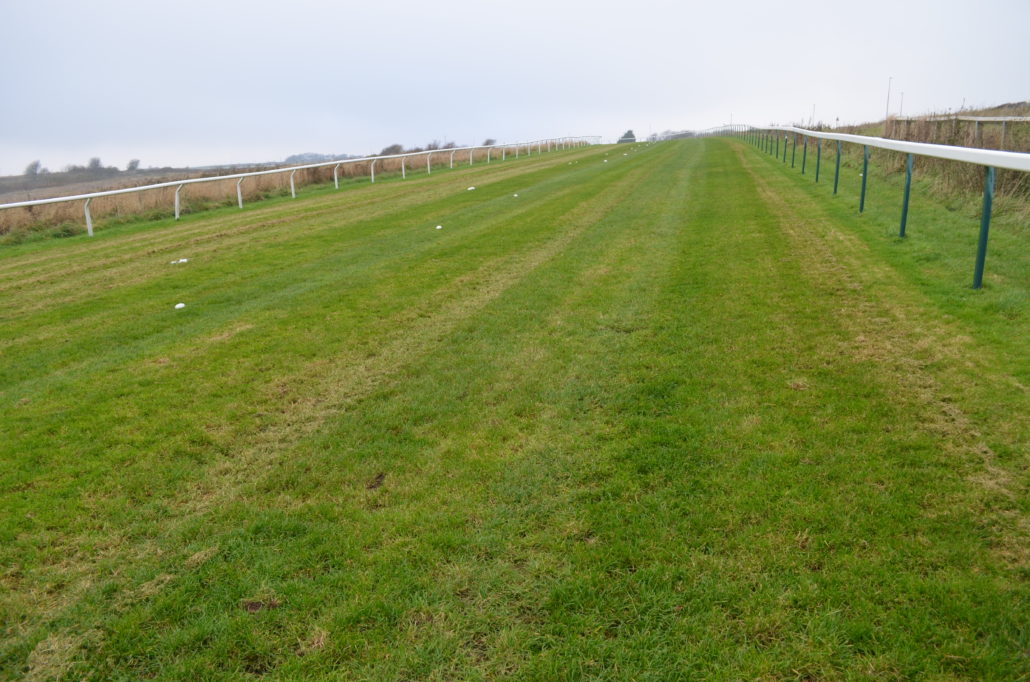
548 144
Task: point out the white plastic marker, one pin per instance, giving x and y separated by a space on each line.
606 160
471 188
515 195
181 260
180 306
439 227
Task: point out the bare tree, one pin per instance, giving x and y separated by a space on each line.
489 142
32 170
391 150
132 165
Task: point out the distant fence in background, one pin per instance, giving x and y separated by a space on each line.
775 140
971 131
405 163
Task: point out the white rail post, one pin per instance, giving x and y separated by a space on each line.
470 156
452 159
517 150
429 168
293 189
89 218
239 192
488 150
504 153
372 170
336 176
177 201
404 171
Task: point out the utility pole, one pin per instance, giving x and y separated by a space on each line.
887 113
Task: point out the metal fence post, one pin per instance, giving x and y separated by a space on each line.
818 156
293 189
372 169
784 148
804 155
865 174
177 201
777 146
904 200
471 151
794 150
452 159
239 192
985 224
429 167
836 169
89 218
404 170
336 176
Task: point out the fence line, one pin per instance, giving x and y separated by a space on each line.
554 143
979 124
768 139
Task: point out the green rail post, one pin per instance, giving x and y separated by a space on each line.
804 155
794 150
865 173
818 156
908 191
836 170
777 146
985 224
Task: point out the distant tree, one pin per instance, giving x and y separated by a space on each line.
32 170
449 145
628 136
392 149
435 144
132 165
94 164
489 142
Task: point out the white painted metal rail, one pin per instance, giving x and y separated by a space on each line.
1019 161
768 139
551 143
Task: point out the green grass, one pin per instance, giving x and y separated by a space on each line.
678 415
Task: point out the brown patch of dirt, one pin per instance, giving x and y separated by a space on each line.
255 605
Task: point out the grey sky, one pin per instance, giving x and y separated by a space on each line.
223 81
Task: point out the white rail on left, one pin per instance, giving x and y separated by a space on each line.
554 143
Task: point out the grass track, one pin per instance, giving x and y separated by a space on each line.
671 416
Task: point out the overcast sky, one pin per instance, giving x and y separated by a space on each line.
196 82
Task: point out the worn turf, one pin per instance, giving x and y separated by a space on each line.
674 416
